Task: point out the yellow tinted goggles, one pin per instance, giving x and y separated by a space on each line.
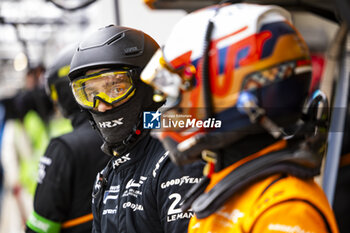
107 86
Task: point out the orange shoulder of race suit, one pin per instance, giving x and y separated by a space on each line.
278 203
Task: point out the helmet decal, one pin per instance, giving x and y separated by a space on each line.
252 48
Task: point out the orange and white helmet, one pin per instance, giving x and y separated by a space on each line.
228 64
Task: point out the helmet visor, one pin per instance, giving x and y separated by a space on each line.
107 86
275 73
167 83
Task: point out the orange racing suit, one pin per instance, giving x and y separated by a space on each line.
278 203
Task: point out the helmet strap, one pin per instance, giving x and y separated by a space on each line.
205 71
207 94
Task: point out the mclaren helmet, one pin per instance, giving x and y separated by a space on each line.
222 69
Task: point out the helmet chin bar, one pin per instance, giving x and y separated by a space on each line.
314 124
301 158
190 150
315 115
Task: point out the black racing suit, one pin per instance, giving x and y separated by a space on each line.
67 172
141 191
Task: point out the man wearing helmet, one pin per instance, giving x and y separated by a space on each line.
62 201
247 67
140 189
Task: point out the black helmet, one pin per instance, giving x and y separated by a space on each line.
57 83
125 49
110 46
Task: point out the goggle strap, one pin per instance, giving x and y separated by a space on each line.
96 102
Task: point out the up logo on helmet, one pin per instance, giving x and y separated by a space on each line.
111 124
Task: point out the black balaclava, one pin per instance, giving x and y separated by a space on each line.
118 125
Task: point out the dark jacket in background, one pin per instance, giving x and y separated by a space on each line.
66 175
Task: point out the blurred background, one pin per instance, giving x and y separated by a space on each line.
32 32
